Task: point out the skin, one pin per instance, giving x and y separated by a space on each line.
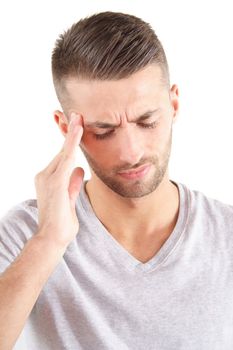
139 213
57 187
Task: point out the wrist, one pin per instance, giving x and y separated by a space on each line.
48 242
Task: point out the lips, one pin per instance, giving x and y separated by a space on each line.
134 171
137 173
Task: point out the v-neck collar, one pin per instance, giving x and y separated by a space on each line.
121 255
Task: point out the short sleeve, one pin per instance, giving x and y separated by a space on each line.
17 226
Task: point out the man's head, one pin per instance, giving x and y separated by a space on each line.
105 46
112 69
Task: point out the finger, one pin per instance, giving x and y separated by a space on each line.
76 180
67 161
52 166
75 122
73 139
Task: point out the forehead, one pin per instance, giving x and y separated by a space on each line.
127 95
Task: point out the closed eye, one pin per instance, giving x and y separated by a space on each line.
148 125
111 132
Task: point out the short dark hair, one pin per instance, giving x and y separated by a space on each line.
106 46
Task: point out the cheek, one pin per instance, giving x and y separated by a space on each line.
156 141
99 151
89 143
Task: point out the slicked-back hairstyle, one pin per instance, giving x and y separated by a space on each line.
105 46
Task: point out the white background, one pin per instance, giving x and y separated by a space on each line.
197 37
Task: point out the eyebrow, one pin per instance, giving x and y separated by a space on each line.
103 125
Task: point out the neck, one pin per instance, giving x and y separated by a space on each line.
134 218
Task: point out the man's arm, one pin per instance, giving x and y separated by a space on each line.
57 188
21 284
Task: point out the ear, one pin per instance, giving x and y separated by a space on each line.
174 97
62 121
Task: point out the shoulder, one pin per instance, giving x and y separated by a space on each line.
211 206
22 214
18 225
209 216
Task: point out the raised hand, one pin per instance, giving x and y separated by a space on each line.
57 188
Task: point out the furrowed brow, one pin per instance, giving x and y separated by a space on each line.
103 125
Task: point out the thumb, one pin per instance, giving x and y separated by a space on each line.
76 180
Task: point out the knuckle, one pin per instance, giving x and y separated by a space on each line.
60 175
68 157
38 177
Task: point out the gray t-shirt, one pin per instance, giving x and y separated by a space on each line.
100 297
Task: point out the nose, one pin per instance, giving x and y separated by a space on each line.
130 147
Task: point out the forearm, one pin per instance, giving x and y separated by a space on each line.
21 284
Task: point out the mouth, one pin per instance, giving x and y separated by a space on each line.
135 173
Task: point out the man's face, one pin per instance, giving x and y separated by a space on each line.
127 125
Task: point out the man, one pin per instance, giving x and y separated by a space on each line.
128 259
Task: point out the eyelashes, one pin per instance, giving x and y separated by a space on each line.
103 136
111 132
